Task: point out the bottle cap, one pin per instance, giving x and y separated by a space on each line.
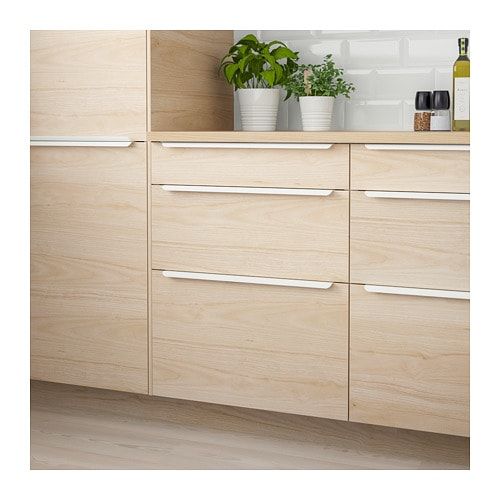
440 100
423 100
463 44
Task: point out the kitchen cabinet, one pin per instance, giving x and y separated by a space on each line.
410 239
263 233
88 83
320 166
281 348
409 359
89 266
410 167
324 274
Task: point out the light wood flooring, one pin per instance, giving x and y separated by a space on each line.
82 428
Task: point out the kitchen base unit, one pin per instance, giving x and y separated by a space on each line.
409 359
278 345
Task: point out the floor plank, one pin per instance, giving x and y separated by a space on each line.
82 428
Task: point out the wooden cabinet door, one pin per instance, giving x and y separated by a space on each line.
409 361
278 348
89 267
88 83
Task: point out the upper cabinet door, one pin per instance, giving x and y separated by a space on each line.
88 83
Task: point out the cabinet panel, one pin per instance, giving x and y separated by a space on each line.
259 167
187 91
407 242
409 170
88 266
279 236
409 362
260 346
88 83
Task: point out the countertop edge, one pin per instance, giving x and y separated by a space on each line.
342 137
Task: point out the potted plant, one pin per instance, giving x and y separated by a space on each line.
316 86
255 69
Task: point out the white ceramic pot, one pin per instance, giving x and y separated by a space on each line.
316 112
259 109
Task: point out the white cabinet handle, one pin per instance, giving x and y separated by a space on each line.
418 292
420 147
246 145
90 142
247 279
246 190
418 196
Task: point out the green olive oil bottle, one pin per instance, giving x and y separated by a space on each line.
461 88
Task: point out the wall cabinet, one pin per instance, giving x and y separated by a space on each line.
88 83
89 267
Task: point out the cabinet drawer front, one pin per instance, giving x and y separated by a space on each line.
88 83
409 361
301 237
410 242
260 167
409 170
89 266
271 347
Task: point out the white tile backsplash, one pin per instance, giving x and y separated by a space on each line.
402 83
374 115
386 67
364 53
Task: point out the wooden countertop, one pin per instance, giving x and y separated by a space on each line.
343 137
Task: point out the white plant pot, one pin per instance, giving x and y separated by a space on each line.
316 112
259 109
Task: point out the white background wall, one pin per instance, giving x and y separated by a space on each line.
386 67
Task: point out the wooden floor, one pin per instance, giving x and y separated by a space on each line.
81 428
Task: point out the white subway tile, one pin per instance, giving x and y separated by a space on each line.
374 53
444 79
432 52
408 114
314 51
363 80
294 121
338 120
402 83
238 35
374 115
268 35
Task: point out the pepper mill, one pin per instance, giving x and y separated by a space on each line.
422 117
440 118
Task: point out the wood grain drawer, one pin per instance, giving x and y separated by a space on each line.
258 167
88 83
282 236
430 170
409 361
409 242
271 347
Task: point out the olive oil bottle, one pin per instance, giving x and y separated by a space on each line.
461 88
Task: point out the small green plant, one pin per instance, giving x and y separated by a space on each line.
318 80
252 64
